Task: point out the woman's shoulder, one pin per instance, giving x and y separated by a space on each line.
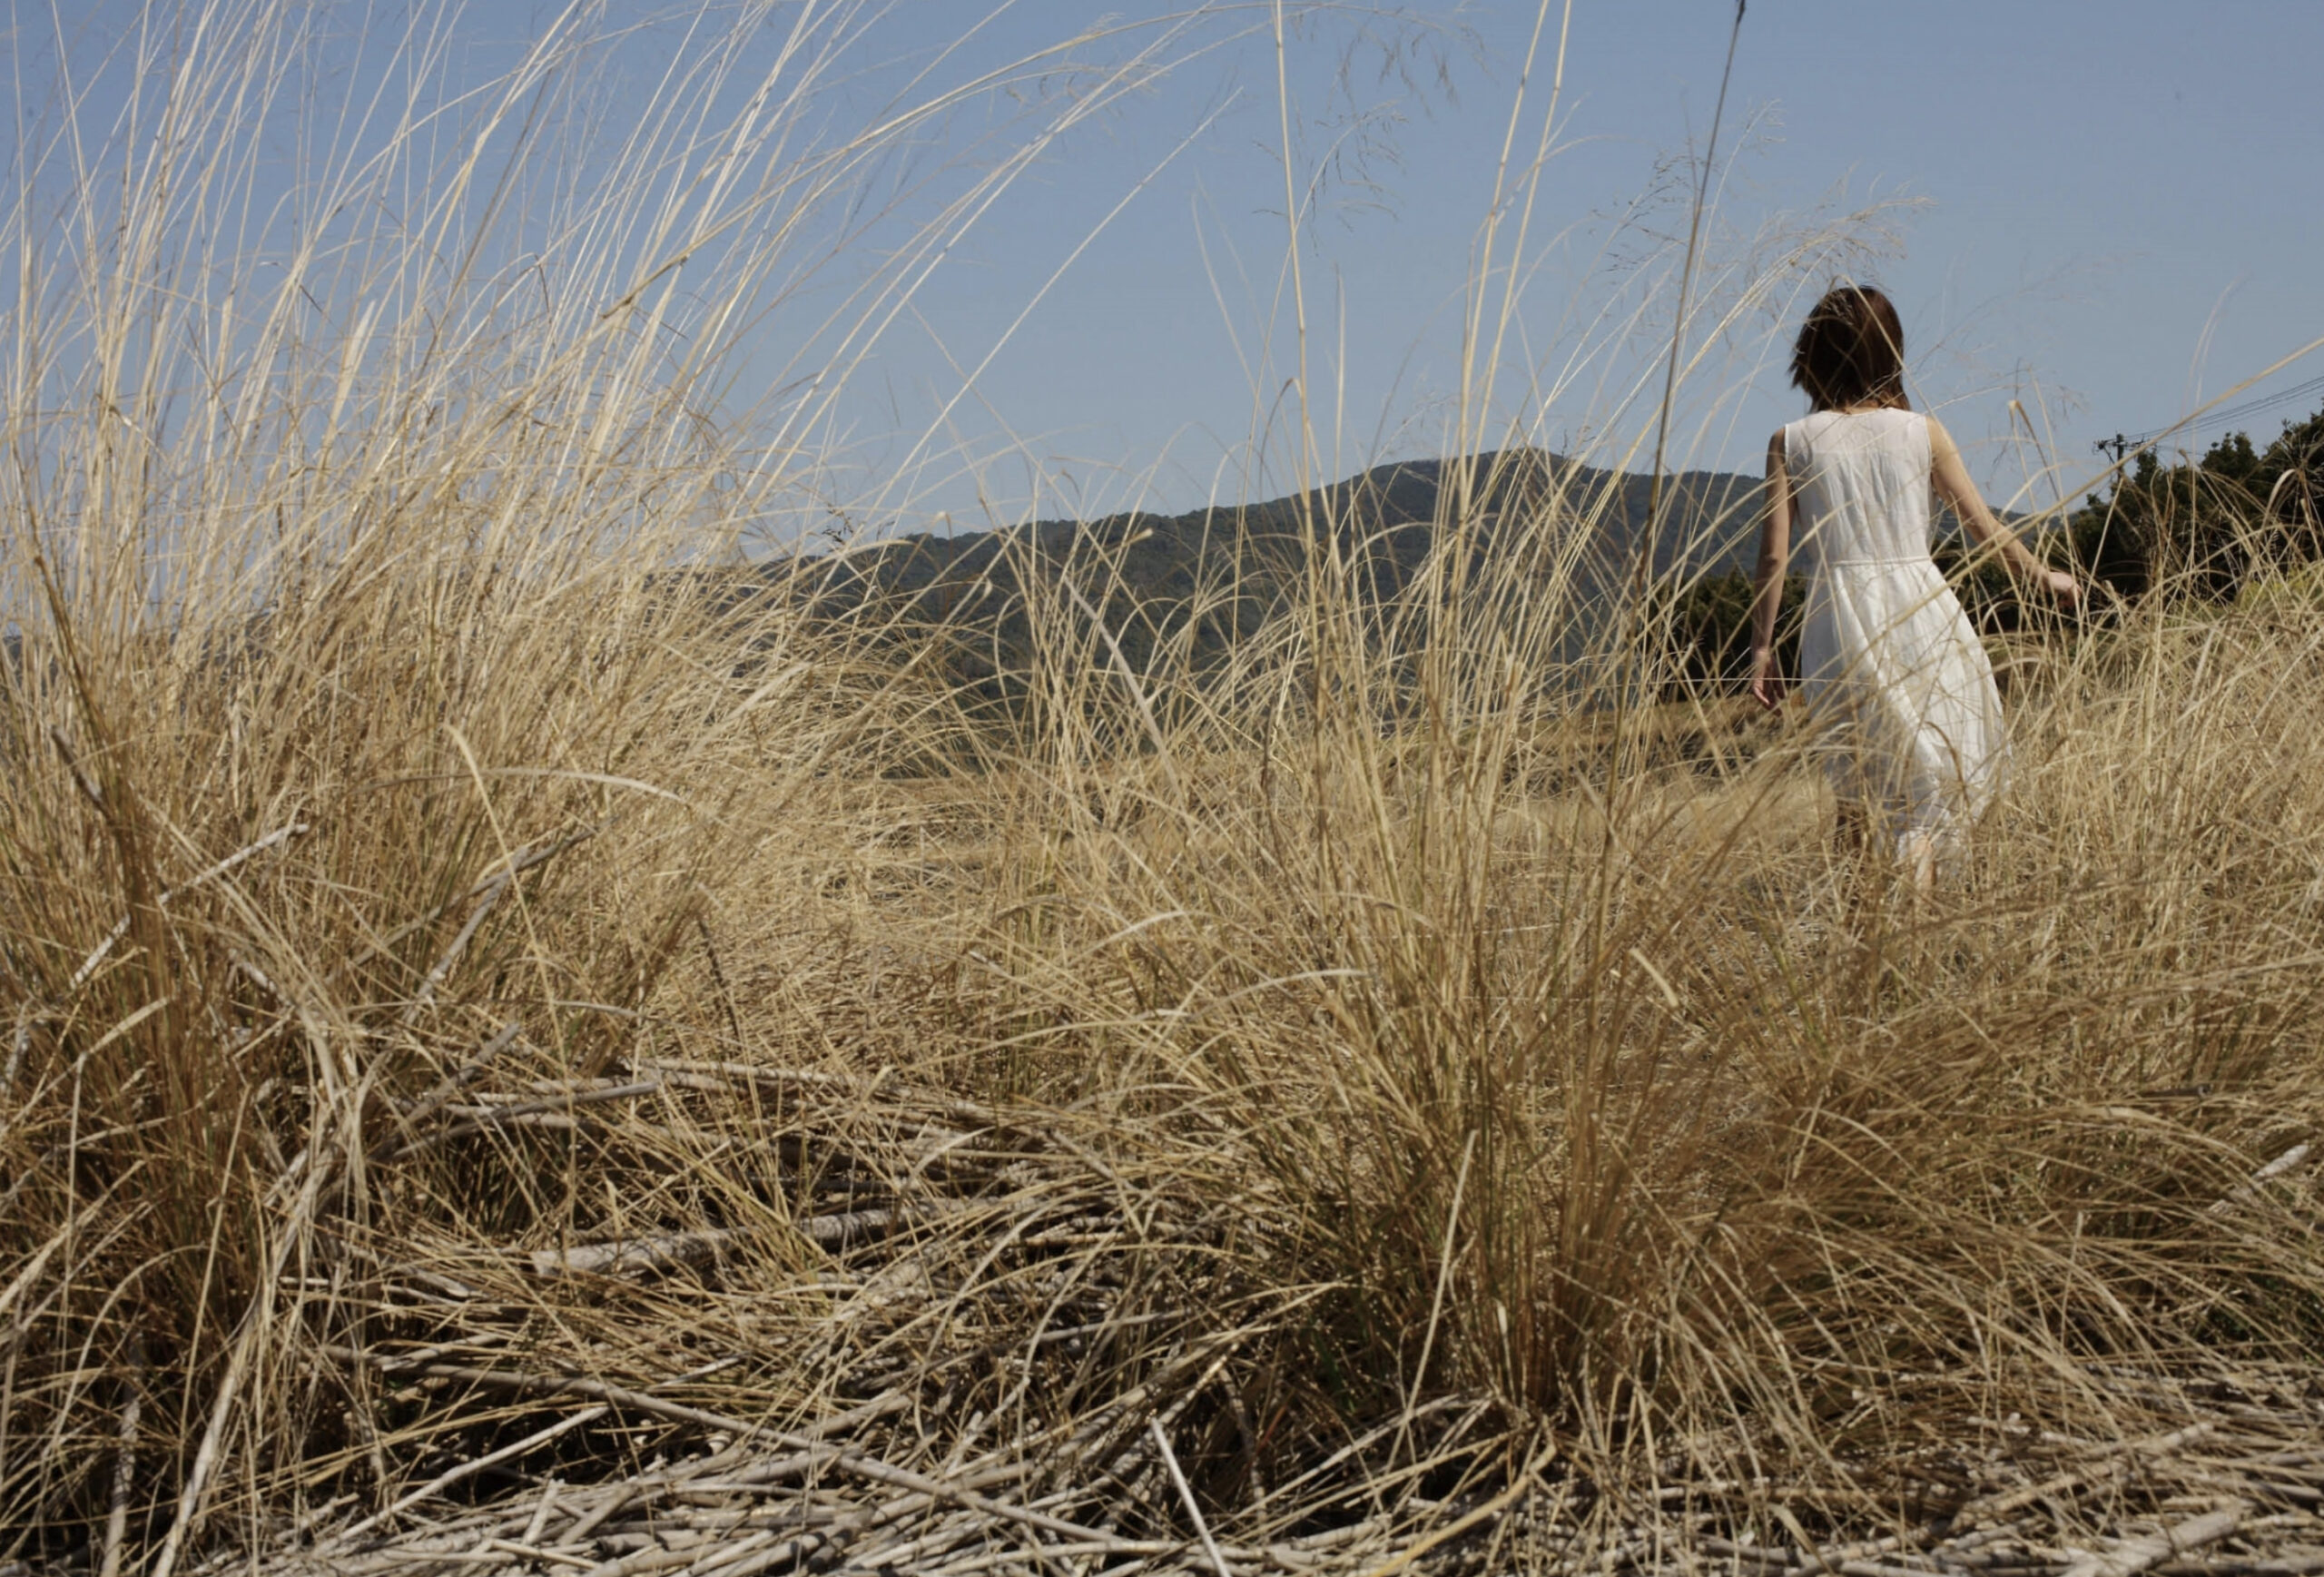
1791 435
1939 440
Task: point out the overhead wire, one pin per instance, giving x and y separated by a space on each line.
2299 392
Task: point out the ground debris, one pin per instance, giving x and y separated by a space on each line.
967 1338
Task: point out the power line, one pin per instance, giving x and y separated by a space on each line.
2120 444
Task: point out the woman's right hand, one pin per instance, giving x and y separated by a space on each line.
1767 678
2063 586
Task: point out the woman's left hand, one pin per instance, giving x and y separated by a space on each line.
2063 586
1767 678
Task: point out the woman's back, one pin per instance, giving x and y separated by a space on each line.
1860 483
1909 718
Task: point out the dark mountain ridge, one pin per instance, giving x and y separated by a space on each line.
1388 519
987 602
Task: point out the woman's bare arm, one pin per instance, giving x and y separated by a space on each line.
1951 477
1766 580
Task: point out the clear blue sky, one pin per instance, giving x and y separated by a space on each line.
2118 205
2112 205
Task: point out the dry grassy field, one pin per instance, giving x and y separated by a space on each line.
518 1057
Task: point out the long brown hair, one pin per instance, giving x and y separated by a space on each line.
1851 352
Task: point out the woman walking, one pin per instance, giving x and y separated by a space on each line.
1897 688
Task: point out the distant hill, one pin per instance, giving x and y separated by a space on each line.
985 604
1396 508
1386 519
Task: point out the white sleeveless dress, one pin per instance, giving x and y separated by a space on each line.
1897 685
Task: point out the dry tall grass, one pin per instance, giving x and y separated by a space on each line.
422 870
